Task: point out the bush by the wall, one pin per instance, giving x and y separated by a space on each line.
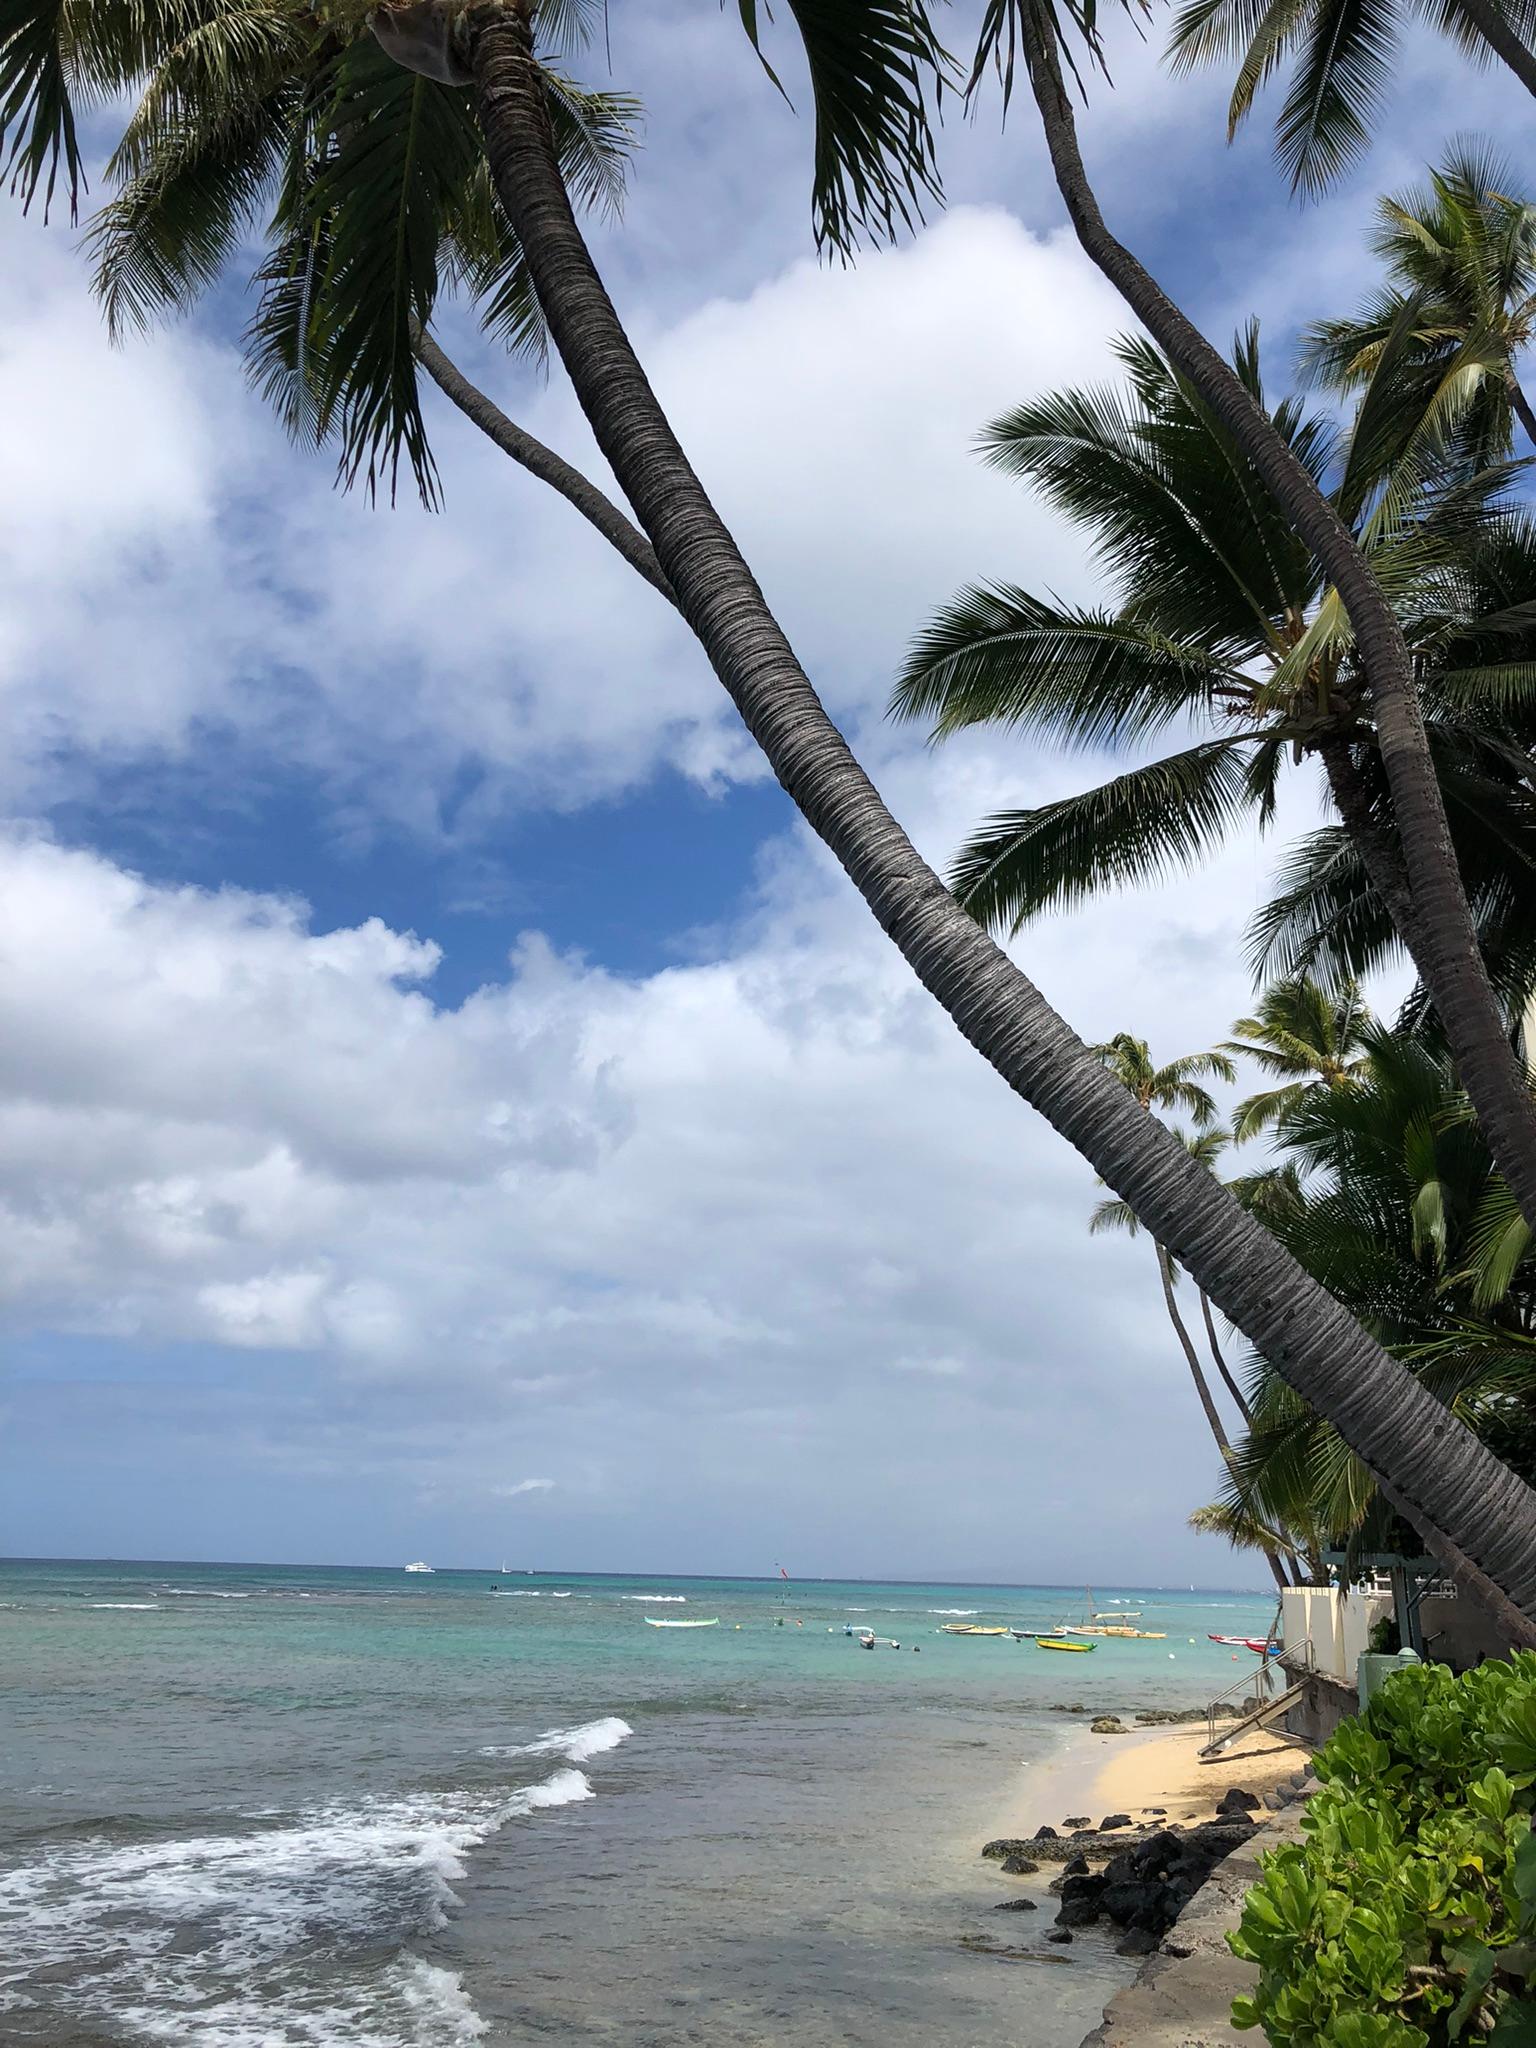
1406 1917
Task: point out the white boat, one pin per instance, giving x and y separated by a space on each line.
652 1622
418 1566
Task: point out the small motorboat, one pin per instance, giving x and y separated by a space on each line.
1061 1643
1258 1644
652 1622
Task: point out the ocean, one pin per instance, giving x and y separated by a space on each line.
277 1807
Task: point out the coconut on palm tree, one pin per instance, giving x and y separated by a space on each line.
1457 308
871 61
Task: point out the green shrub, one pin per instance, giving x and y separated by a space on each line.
1406 1917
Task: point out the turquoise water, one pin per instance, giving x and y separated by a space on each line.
278 1807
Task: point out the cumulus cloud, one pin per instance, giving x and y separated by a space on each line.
688 1237
236 598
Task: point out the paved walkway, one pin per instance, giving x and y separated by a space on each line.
1184 1993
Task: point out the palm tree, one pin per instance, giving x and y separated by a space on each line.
1342 51
1458 305
1224 623
1165 1088
1304 1035
1390 1197
1415 863
873 164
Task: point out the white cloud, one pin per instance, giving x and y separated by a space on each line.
525 1486
668 1240
233 592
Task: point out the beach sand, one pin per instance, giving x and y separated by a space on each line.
1103 1774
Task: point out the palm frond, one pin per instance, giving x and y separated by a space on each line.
37 116
1344 62
996 655
876 73
1131 829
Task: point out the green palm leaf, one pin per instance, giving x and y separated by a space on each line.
872 69
996 655
1345 60
1131 829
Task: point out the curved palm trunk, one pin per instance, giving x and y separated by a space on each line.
1477 1517
1377 853
1522 408
1439 935
550 468
1491 25
1221 1364
1202 1388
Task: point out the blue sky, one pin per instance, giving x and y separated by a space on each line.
449 1107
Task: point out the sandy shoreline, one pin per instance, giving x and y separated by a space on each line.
1099 1775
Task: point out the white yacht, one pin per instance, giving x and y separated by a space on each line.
418 1566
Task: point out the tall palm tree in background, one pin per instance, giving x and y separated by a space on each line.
1304 1035
1175 1087
871 64
1342 53
1387 1193
1431 910
1223 622
1457 308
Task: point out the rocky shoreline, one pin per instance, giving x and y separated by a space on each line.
1135 1874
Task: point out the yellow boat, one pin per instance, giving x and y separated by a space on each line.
1060 1643
965 1628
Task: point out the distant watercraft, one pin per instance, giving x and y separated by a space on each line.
1138 1635
418 1566
1258 1644
968 1628
652 1622
1059 1643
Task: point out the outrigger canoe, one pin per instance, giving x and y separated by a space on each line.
966 1628
1258 1644
1060 1643
652 1622
1136 1635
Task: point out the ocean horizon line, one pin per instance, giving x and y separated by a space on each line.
1072 1585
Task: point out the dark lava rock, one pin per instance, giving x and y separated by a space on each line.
1238 1801
1080 1901
1078 1867
1016 1906
1045 1835
1154 1809
1003 1847
1112 1821
1107 1724
1060 1935
1141 1941
1018 1866
1078 1820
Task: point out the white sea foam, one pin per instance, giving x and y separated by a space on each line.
942 1610
203 1593
515 1593
576 1745
232 1926
126 1606
658 1599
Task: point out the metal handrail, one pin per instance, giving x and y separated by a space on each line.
1265 1685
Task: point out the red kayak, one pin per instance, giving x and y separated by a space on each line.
1258 1644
